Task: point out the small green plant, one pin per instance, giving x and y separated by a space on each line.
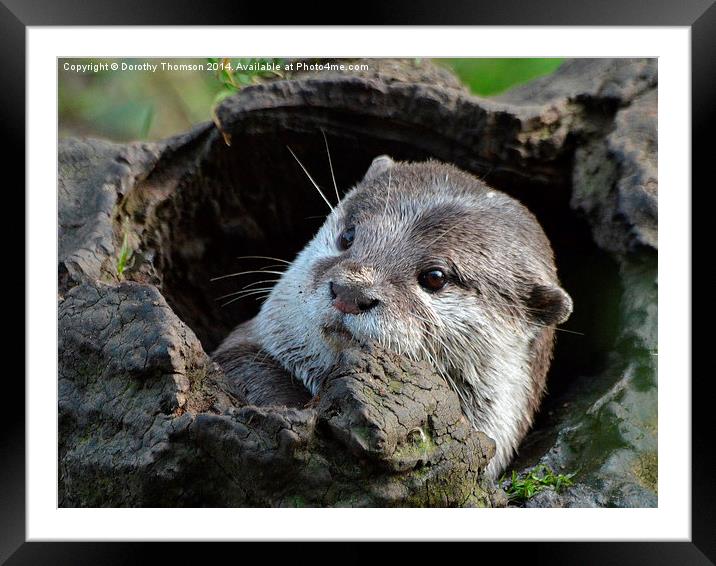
521 487
125 254
234 74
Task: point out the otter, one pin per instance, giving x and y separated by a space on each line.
427 261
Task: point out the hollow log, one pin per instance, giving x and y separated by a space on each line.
147 419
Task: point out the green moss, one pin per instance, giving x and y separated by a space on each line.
419 444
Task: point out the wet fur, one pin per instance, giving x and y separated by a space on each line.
489 332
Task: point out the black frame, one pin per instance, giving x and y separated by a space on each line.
699 15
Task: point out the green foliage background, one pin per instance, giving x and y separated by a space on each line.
488 77
142 105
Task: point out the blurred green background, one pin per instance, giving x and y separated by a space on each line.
146 105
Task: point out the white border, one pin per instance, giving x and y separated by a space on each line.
670 521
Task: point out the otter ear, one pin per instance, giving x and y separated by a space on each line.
549 304
379 165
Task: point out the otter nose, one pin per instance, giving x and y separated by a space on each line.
351 299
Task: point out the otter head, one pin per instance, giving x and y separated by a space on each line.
428 261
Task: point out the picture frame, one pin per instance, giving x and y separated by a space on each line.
699 16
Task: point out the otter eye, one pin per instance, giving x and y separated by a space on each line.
345 240
432 279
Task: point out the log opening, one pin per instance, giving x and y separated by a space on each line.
253 199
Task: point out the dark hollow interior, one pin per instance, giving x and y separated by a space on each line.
253 199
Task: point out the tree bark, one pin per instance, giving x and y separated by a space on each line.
147 419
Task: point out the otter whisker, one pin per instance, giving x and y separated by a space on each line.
529 322
429 321
432 360
490 298
427 355
546 326
320 192
443 234
259 292
272 266
446 376
558 329
451 354
247 292
263 257
264 269
246 273
229 302
523 319
259 282
330 165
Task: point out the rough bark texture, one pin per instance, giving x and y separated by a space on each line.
147 419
